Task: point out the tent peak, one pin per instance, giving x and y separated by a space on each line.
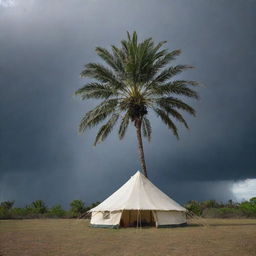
138 193
138 173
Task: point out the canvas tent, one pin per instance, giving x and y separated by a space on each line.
138 203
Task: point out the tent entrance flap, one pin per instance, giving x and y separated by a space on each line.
137 218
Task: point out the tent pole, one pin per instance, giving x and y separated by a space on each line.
121 218
140 220
137 218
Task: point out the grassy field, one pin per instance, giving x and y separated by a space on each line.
55 237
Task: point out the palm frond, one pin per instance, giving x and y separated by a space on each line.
165 118
146 128
119 59
100 73
96 91
174 102
175 114
98 114
108 58
158 46
179 87
123 126
106 129
170 72
164 60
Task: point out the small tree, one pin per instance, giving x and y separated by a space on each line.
39 206
253 201
56 211
77 208
249 207
209 204
7 205
194 207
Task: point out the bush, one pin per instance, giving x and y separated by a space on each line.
249 207
38 207
77 208
209 204
18 213
213 209
225 212
4 213
56 211
194 207
5 208
7 205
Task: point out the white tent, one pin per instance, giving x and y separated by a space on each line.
138 203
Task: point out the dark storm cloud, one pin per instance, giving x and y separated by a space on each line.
43 46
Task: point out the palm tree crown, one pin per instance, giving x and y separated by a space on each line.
135 80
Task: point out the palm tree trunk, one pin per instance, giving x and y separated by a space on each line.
137 124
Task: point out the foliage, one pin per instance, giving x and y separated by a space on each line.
194 207
56 211
213 209
77 208
7 205
4 213
20 212
5 208
38 209
208 209
136 78
38 206
249 207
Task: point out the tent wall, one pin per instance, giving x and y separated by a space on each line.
129 218
169 218
106 219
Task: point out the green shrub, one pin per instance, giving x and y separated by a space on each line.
4 213
249 207
5 209
208 204
17 213
56 211
227 212
224 212
194 207
77 208
7 204
38 207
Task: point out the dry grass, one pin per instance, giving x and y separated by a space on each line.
74 237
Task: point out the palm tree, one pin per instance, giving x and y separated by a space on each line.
7 204
39 206
135 80
77 208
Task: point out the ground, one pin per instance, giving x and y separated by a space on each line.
54 237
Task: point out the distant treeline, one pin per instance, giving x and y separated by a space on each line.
214 209
78 209
39 209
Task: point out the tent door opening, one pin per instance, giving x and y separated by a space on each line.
137 218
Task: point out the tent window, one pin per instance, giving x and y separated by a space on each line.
106 215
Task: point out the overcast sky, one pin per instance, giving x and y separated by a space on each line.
43 47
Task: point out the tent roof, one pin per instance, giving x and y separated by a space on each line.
138 193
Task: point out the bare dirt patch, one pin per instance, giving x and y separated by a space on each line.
54 237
